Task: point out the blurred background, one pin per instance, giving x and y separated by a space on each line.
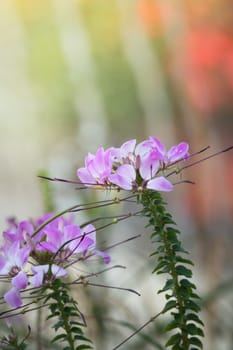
79 74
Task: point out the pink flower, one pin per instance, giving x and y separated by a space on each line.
177 153
13 258
97 168
154 145
19 232
124 177
40 272
13 298
151 153
90 232
125 153
159 184
132 166
68 238
12 261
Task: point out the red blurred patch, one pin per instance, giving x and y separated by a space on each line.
207 59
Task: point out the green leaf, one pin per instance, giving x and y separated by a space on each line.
194 317
58 325
171 325
175 339
159 250
183 271
185 261
59 337
195 296
82 347
189 304
196 341
172 229
184 292
82 338
166 269
53 315
169 305
169 296
160 265
156 239
172 237
76 330
168 285
187 283
177 347
194 330
178 248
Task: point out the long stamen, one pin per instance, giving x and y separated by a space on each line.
201 160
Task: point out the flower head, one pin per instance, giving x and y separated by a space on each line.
97 168
58 244
133 166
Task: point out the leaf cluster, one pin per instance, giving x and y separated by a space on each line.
172 259
69 320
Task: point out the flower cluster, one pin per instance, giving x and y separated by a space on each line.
30 256
133 166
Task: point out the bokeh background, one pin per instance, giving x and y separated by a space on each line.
78 74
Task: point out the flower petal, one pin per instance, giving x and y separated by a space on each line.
148 167
20 281
159 184
39 272
37 279
178 152
127 148
13 298
124 177
85 176
90 232
58 271
104 255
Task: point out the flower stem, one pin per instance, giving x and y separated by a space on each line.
181 299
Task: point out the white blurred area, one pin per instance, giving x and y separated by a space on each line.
20 151
30 141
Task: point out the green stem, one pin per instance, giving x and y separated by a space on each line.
170 261
66 325
176 287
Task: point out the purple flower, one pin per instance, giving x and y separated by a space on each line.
12 261
13 298
90 232
67 241
177 153
124 177
131 166
68 238
154 145
40 272
20 281
18 233
97 168
125 153
159 184
149 165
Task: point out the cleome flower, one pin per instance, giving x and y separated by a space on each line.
133 166
28 259
97 168
12 264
